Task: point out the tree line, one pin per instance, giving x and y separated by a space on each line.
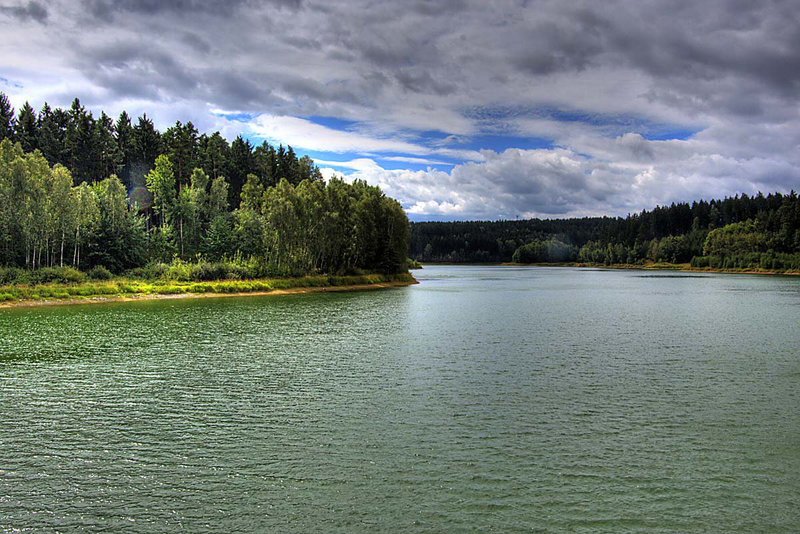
103 193
94 148
735 232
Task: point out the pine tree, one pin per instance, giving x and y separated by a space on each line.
124 137
6 118
49 136
240 164
214 153
106 146
25 131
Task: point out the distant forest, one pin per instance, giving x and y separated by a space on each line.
742 232
84 191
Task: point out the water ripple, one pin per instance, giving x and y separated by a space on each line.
543 400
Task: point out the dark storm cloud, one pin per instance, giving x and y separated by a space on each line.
423 82
130 69
196 42
709 41
29 11
441 48
571 43
108 9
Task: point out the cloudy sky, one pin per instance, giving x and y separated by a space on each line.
460 109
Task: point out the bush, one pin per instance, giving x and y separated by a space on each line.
151 271
549 251
413 264
206 272
98 272
12 275
60 275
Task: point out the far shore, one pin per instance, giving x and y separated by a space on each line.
682 267
381 282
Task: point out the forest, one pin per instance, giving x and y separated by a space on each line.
110 196
740 232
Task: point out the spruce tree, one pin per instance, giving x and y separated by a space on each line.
6 118
25 131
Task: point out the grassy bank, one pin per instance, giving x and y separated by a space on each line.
119 288
662 266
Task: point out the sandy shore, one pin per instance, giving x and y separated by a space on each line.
101 299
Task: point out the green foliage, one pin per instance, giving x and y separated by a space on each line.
548 251
46 275
98 272
413 264
161 183
735 239
119 241
6 118
220 240
49 286
674 233
289 222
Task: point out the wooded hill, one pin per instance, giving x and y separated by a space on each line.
740 232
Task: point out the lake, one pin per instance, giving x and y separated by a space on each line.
485 398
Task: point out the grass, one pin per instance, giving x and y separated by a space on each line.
128 287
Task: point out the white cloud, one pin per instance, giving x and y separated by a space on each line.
311 136
632 174
418 161
462 70
359 164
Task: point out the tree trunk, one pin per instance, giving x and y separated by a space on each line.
75 249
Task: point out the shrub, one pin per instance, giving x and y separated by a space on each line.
98 272
13 275
205 272
151 271
61 275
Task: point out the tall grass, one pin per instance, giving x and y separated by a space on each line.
126 286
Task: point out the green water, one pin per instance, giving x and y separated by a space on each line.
484 399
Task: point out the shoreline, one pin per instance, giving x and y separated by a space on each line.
679 267
134 297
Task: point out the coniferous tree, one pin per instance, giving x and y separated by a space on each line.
119 242
106 146
25 131
49 133
146 143
180 144
6 117
124 137
81 150
266 160
214 153
240 164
